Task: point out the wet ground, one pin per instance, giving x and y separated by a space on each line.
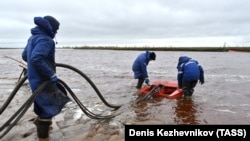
223 99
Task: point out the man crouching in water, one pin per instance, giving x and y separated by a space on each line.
189 73
39 54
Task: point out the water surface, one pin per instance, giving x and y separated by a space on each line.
223 99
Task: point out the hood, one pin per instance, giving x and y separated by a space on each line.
183 59
46 25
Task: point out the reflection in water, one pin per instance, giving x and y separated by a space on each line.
185 111
141 110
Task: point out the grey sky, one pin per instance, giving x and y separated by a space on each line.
131 22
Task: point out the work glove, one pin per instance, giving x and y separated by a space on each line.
147 81
53 79
201 80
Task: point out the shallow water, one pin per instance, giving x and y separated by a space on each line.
223 99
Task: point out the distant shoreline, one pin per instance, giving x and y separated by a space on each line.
215 49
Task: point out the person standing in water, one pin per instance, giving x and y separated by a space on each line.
39 54
139 67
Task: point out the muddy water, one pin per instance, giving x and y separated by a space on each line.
223 99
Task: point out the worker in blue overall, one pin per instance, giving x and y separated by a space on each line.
39 54
139 67
189 73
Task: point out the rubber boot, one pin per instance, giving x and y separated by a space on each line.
42 127
139 83
40 139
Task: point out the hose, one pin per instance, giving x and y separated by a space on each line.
13 93
21 111
84 109
149 94
90 82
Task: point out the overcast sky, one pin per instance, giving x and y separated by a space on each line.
131 22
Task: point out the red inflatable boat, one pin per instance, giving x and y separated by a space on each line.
168 89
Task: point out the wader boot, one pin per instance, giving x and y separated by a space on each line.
42 127
139 83
40 139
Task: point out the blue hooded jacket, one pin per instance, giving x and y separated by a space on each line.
189 70
39 54
140 65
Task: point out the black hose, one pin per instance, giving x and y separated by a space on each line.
90 82
21 111
149 94
13 93
84 109
20 83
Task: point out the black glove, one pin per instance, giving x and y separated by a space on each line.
201 80
147 81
